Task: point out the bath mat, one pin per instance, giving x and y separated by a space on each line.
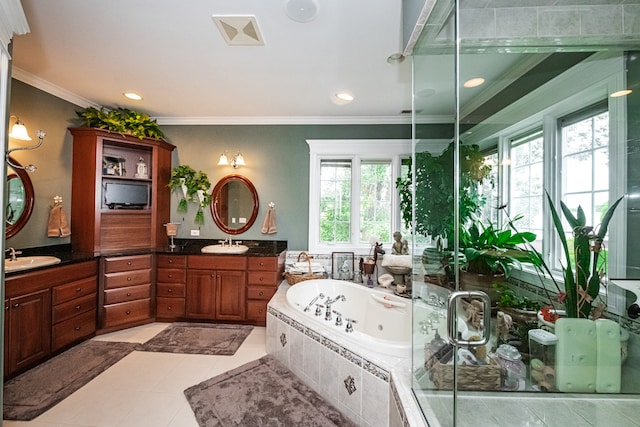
199 338
260 393
39 389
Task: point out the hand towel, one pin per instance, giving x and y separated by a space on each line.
269 223
58 225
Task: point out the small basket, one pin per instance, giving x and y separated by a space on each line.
470 377
292 279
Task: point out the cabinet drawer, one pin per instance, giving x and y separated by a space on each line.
74 329
129 278
114 296
263 263
80 288
217 262
257 311
127 263
172 261
172 275
263 278
171 290
126 312
170 308
67 310
260 292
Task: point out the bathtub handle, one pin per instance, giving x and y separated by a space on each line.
387 302
452 329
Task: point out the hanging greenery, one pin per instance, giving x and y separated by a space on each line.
193 186
122 121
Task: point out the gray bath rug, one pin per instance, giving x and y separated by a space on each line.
261 393
39 389
199 338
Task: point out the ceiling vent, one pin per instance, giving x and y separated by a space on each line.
239 30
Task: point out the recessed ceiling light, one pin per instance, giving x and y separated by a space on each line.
621 93
301 10
344 96
132 95
474 82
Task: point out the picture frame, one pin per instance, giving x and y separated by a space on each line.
342 265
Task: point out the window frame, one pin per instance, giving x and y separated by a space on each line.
356 150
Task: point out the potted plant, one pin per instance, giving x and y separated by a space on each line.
490 253
583 271
193 186
520 308
121 120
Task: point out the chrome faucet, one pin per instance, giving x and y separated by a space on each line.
328 304
313 301
13 253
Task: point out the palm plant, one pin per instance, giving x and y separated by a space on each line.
581 276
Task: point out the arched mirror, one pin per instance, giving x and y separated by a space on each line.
19 201
234 204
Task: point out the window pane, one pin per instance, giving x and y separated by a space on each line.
375 201
335 201
578 172
601 169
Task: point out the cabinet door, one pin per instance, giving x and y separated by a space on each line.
230 295
200 295
29 329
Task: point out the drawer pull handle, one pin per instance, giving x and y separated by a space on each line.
16 305
169 290
78 307
169 307
128 312
170 261
261 293
78 289
128 294
77 328
261 278
170 276
128 279
128 262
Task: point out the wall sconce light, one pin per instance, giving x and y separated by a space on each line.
236 160
19 131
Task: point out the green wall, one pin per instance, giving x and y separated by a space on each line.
276 156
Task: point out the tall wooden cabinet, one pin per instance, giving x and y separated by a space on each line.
101 158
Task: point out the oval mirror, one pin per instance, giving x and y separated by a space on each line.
19 201
234 204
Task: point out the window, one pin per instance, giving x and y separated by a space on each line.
489 189
526 183
352 197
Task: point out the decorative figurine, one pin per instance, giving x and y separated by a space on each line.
400 246
141 169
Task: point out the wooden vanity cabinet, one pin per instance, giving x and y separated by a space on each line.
263 278
215 288
41 315
171 280
126 293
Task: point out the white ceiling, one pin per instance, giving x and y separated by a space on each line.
91 51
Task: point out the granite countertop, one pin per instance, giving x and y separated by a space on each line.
257 248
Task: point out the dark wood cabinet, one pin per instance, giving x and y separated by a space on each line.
126 293
263 278
47 310
215 288
99 226
171 279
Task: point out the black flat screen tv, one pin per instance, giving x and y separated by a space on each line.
126 195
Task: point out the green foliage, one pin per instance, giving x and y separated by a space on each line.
193 186
508 298
434 192
490 250
122 121
582 270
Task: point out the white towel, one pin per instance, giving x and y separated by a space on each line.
396 261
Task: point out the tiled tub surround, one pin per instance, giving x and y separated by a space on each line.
370 388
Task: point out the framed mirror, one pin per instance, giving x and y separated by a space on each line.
234 204
19 200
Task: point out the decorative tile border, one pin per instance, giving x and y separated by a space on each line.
344 352
398 404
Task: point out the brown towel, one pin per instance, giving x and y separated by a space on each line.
58 225
269 223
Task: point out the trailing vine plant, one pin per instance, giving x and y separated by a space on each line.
193 186
121 120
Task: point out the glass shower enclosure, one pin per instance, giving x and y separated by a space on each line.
543 99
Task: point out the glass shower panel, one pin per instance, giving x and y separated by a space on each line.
517 73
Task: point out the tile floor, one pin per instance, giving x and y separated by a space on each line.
144 388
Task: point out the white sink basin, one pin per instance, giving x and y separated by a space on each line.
27 262
219 249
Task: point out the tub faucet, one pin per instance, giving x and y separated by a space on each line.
350 323
328 304
313 301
